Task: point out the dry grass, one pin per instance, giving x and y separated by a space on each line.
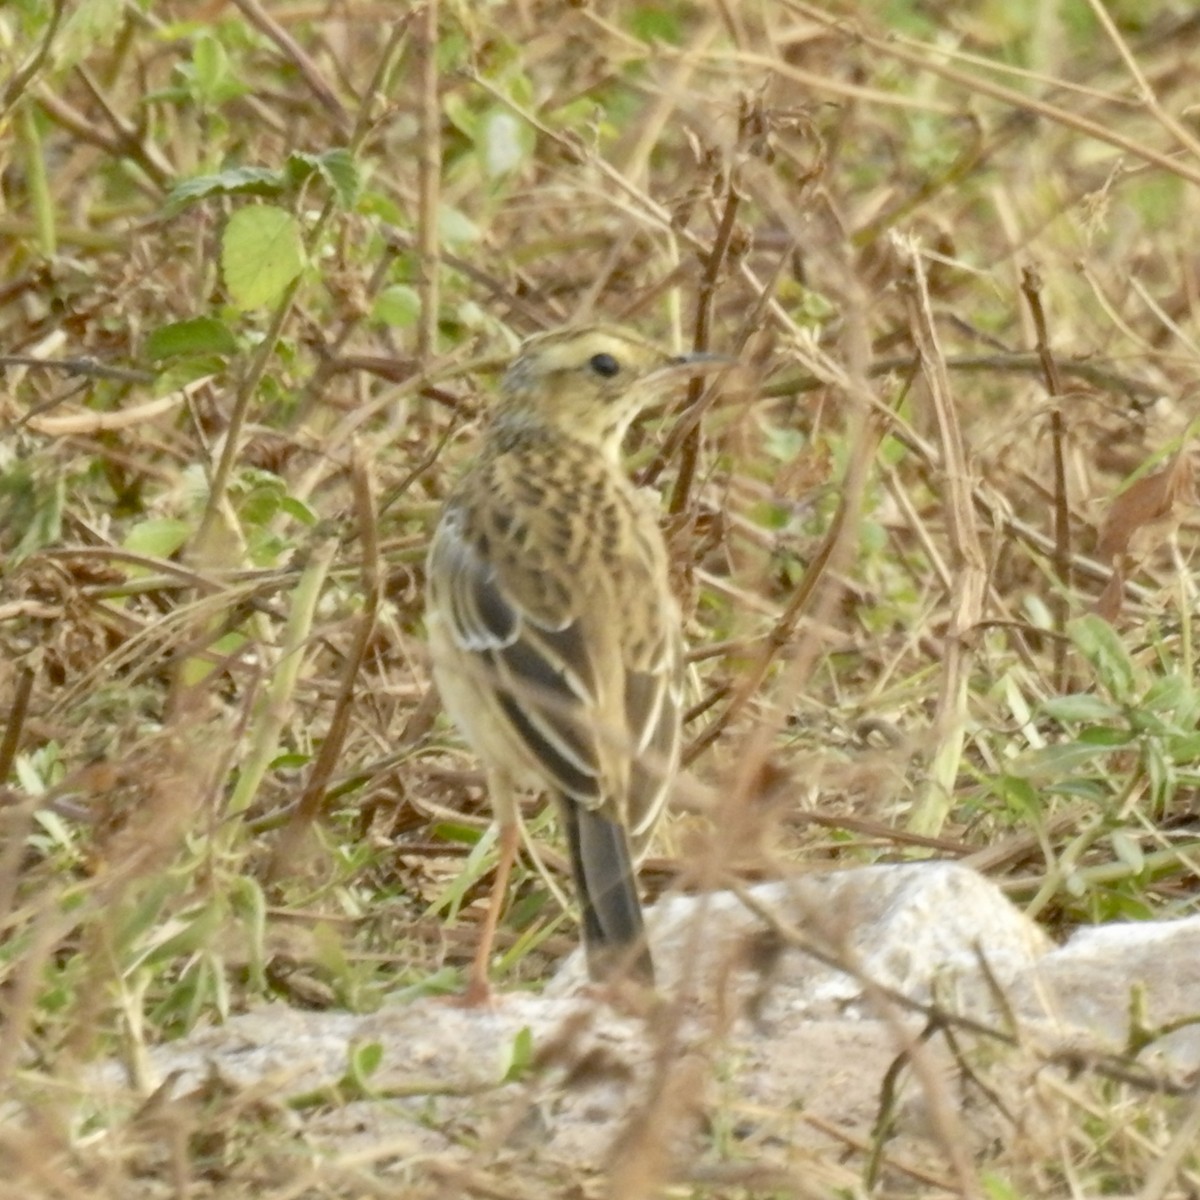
954 253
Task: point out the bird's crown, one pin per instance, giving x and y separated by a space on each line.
607 357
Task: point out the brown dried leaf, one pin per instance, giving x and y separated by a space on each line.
1154 505
1109 603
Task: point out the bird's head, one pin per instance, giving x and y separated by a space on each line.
590 382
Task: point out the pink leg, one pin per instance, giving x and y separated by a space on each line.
479 989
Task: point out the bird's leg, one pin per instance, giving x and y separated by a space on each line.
479 988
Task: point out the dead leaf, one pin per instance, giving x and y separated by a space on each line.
1108 605
1144 515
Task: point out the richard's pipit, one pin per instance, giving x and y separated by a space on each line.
555 636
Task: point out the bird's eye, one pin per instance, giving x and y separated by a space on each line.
604 364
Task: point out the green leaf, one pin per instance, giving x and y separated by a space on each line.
783 443
158 537
298 510
337 167
260 504
250 905
28 776
341 172
237 181
455 226
1102 735
520 1056
1160 771
290 761
54 827
1036 612
261 253
397 305
31 504
1185 748
199 335
1056 761
1167 694
460 114
214 79
1128 851
176 373
1146 722
365 1060
454 831
451 899
376 204
1101 646
1020 796
1081 707
228 644
210 62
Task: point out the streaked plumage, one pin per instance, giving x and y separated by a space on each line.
555 637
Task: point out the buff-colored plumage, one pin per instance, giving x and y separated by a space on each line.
555 637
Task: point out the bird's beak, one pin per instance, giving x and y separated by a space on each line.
703 360
698 363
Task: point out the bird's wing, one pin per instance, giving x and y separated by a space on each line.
652 706
517 630
582 654
652 654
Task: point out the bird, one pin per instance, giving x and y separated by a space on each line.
555 638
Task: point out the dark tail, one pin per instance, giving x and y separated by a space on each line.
613 933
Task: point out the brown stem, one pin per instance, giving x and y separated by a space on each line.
1060 602
690 452
429 171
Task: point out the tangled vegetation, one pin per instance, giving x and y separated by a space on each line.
262 262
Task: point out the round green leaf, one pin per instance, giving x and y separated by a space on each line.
397 305
261 253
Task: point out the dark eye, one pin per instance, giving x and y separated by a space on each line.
604 364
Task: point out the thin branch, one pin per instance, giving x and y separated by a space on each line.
22 77
967 560
690 451
429 172
1060 601
295 54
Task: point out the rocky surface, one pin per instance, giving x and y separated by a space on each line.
791 1017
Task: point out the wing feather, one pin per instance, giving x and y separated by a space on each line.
541 675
